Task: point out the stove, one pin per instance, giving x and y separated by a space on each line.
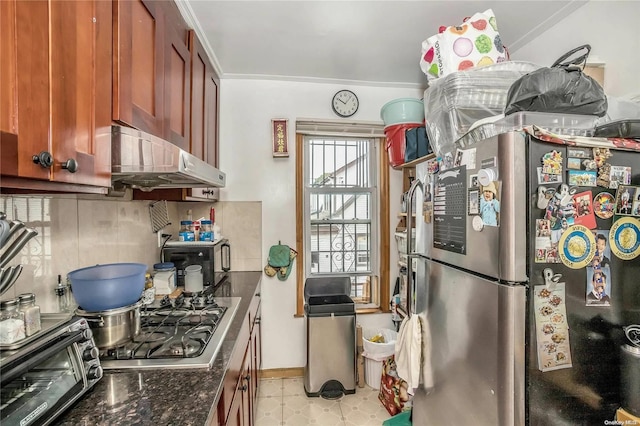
186 332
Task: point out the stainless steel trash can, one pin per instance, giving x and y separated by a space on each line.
330 316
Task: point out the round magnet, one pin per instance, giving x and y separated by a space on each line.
624 238
577 246
477 223
488 175
603 205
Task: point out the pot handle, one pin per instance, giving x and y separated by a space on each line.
100 320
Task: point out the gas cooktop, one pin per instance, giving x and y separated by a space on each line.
186 332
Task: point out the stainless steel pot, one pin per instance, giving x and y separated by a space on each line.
113 327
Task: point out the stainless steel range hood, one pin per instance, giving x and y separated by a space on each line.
143 161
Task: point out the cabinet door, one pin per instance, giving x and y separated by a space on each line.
256 361
241 404
204 104
177 80
24 112
138 72
56 87
81 41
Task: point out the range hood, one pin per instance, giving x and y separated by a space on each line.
143 161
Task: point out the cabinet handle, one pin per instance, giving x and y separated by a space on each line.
258 320
71 165
257 294
243 388
45 159
247 377
208 192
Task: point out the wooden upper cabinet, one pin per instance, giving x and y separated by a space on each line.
56 86
24 41
138 65
81 40
204 104
152 69
177 88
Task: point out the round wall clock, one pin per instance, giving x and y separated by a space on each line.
345 103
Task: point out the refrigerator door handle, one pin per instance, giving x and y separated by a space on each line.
412 189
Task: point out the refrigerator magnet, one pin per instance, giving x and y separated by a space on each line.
598 287
584 210
604 205
625 199
582 177
577 247
552 163
624 238
477 223
619 175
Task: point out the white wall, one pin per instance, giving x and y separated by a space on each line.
247 107
612 30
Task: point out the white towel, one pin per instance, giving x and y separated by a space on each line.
413 352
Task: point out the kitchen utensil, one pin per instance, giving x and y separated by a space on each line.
10 276
113 327
159 215
5 228
633 334
111 286
17 245
14 227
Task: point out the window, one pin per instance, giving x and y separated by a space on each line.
339 214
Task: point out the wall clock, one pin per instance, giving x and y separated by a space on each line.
345 103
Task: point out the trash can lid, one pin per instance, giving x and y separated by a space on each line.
326 286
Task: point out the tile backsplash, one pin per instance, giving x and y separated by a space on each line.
76 231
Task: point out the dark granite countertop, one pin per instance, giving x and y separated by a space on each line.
164 396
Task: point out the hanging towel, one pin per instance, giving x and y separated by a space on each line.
413 352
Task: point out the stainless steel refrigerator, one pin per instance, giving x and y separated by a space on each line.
489 284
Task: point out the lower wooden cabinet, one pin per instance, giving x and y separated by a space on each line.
237 404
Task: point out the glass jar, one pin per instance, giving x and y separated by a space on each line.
186 232
11 322
206 234
164 278
149 293
30 312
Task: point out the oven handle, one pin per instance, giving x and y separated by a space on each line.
227 267
18 366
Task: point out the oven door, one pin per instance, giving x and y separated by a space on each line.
45 381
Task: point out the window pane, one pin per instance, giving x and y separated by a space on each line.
338 248
340 206
338 163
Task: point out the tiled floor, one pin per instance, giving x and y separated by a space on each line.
283 402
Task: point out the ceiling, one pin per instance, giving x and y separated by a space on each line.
360 42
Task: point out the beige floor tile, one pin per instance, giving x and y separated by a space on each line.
270 388
269 411
301 410
293 386
363 408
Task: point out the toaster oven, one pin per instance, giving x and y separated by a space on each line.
47 372
213 256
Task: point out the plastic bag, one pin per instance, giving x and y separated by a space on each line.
474 43
393 393
561 88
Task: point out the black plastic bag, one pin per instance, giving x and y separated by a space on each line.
561 88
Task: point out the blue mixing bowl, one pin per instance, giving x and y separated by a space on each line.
111 286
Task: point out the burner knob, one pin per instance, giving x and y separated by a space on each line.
87 335
94 373
90 353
